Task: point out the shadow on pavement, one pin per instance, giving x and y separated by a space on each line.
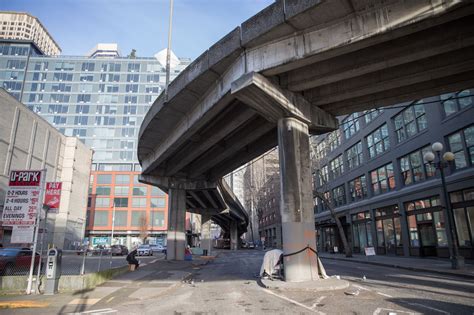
425 306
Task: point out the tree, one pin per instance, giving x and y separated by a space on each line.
321 191
132 54
143 223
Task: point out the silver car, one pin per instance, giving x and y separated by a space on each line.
144 250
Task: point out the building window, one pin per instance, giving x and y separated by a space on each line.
463 210
102 202
350 125
333 140
139 191
121 202
321 150
378 141
382 179
358 188
454 102
153 78
155 191
336 167
361 229
102 191
426 222
389 231
133 67
139 219
410 121
461 144
101 218
121 190
157 219
122 179
139 202
354 155
104 179
339 196
121 218
372 114
131 88
158 202
132 78
414 169
88 66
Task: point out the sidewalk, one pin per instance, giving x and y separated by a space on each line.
432 265
150 280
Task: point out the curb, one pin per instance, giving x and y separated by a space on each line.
341 284
440 272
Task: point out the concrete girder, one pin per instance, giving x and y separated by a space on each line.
230 121
407 75
248 153
361 29
228 148
197 198
410 48
165 183
274 102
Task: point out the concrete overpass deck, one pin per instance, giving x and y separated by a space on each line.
286 73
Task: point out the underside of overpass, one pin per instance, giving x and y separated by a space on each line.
286 73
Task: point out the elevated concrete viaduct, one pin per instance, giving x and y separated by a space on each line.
285 74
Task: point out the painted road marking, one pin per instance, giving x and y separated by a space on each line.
83 301
428 307
101 311
361 287
294 302
318 301
110 299
380 309
23 304
383 294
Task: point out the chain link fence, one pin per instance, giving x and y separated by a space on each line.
17 261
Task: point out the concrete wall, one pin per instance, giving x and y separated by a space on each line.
27 141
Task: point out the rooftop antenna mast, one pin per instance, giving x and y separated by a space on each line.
168 51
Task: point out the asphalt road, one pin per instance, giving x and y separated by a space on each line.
228 285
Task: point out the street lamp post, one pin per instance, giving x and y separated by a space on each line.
457 261
112 234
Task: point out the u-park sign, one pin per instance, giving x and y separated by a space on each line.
23 198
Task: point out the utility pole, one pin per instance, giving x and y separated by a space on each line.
168 51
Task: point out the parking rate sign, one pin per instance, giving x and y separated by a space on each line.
52 196
22 200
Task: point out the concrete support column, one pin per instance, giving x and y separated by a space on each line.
176 224
206 242
296 205
234 236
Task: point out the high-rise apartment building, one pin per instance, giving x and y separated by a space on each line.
101 99
17 26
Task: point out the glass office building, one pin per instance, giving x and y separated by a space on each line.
102 101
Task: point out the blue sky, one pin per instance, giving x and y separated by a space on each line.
78 25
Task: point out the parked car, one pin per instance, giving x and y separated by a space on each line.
158 248
119 250
144 250
250 245
16 260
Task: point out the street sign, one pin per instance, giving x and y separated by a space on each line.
52 196
369 251
22 234
23 198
